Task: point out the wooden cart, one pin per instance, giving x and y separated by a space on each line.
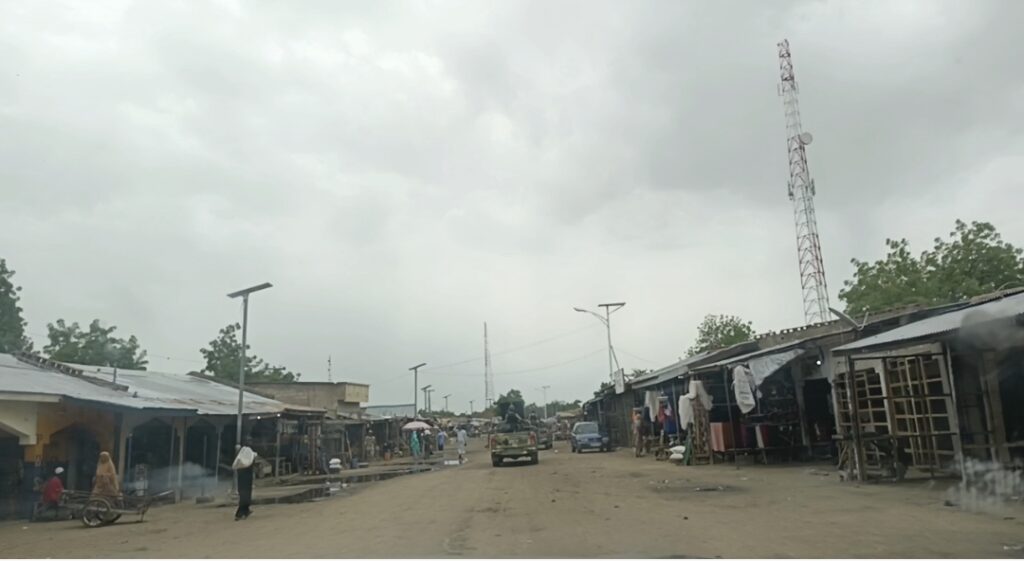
98 510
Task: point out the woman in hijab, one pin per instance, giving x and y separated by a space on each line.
414 443
105 482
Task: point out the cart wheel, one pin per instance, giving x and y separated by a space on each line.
97 512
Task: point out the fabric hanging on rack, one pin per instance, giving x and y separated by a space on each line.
686 411
743 385
651 402
764 366
667 417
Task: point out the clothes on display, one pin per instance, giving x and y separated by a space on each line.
697 392
651 402
744 388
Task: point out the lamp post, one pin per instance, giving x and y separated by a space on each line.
471 408
545 390
607 321
426 397
244 295
446 402
416 388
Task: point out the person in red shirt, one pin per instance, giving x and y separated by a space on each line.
52 491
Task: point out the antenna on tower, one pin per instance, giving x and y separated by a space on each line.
488 373
801 192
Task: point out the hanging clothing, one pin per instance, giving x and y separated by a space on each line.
743 386
651 402
669 420
686 402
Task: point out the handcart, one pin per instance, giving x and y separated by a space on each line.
99 510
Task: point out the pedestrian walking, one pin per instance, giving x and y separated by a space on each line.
414 444
243 466
441 439
460 441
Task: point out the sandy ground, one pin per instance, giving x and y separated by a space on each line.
570 505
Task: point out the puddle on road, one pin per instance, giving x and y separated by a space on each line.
334 486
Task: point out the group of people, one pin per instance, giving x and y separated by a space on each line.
422 442
105 484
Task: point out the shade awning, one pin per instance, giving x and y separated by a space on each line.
764 366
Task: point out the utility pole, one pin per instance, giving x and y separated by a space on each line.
801 193
488 372
426 397
415 389
471 408
545 390
446 402
607 321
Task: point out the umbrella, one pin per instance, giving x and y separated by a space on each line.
416 425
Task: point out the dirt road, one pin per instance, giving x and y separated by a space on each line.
595 505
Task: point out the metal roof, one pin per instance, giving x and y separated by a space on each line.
23 378
1002 308
684 366
190 392
403 410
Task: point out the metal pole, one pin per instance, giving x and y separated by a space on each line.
545 390
415 394
608 326
241 370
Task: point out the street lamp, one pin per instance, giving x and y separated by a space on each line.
244 295
471 408
446 401
416 388
426 397
545 390
607 321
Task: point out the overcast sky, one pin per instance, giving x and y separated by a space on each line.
403 172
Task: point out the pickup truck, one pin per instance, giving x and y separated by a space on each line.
511 441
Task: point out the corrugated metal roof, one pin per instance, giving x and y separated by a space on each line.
404 410
22 378
685 365
746 357
1003 308
185 391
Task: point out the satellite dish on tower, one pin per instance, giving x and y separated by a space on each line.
806 138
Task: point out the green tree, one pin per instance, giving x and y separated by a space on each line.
716 332
974 260
12 325
95 347
223 360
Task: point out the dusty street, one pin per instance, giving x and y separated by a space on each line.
595 505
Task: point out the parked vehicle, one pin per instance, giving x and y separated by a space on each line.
587 435
545 440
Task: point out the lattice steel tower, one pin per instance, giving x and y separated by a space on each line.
801 192
488 373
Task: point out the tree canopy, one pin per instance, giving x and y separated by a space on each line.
974 260
223 360
96 346
716 332
12 324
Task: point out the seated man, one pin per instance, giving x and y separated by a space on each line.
52 491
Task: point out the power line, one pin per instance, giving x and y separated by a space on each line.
513 349
586 356
629 354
